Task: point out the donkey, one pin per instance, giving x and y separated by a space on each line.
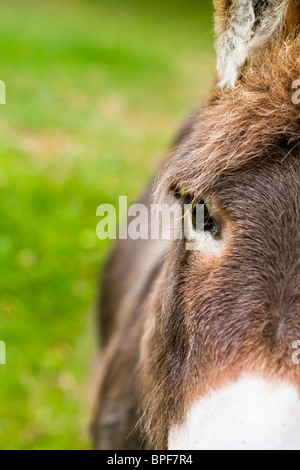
197 345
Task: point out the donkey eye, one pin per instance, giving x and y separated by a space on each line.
209 224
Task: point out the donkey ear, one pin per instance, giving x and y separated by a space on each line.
244 26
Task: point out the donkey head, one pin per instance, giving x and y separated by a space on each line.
217 350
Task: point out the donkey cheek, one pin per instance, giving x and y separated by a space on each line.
251 414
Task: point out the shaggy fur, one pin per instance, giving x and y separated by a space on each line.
254 120
175 323
243 27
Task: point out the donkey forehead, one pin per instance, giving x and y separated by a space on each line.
200 170
268 187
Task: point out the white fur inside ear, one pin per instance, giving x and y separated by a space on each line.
247 29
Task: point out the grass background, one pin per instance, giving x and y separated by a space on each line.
96 90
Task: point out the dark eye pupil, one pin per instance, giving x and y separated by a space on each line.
209 223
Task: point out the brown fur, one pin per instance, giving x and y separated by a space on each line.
180 323
242 124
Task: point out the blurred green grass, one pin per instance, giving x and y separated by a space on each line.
95 92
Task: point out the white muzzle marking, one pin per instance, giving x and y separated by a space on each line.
250 414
